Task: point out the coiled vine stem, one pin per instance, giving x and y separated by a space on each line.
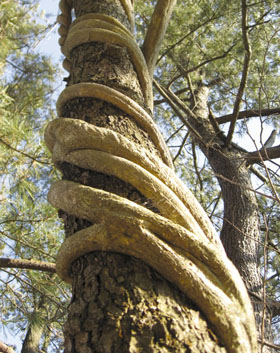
179 242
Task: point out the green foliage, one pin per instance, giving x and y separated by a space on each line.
204 45
29 227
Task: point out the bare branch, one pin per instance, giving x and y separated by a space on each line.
27 264
156 31
196 167
174 133
215 125
248 114
176 104
181 147
245 71
5 349
271 345
258 174
264 154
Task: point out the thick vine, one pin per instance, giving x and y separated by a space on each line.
179 242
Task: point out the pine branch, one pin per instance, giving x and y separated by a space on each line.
248 114
27 264
29 284
207 61
265 154
156 31
245 72
25 243
185 36
21 152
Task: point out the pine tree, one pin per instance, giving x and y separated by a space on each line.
29 228
217 63
119 194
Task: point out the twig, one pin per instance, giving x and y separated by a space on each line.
248 236
181 147
174 133
216 204
245 71
244 187
196 167
248 114
271 345
23 153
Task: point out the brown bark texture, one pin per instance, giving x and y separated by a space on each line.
119 303
240 233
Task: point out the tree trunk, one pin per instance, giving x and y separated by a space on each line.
240 233
35 330
119 303
32 339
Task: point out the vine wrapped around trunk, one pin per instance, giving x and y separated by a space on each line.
179 241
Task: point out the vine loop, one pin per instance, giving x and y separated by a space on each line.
179 241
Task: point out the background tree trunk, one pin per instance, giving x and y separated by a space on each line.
35 330
32 339
240 233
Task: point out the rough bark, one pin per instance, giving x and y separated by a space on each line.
240 233
119 304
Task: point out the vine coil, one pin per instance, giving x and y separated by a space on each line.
180 242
